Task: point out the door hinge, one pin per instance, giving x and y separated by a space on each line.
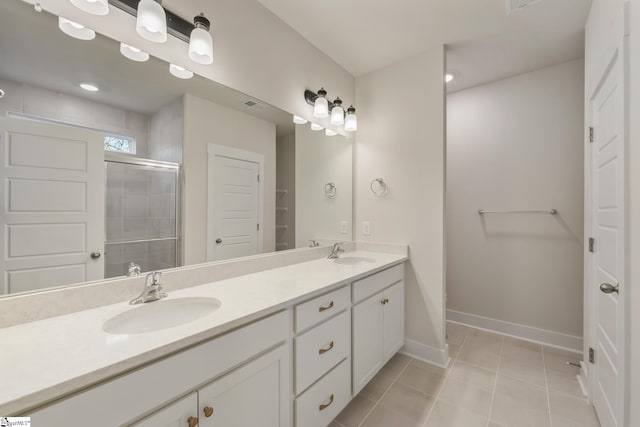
592 355
591 138
592 244
258 227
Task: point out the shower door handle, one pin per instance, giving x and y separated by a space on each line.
218 240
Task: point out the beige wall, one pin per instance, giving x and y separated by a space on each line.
205 123
322 159
401 138
517 144
276 68
166 130
286 180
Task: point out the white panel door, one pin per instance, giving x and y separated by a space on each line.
607 211
393 320
367 340
52 205
235 208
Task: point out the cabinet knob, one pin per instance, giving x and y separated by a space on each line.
208 411
384 301
192 421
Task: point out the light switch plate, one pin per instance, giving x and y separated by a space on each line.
366 228
344 227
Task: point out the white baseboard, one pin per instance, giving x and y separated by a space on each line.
426 353
528 333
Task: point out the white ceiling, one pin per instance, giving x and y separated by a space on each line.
485 43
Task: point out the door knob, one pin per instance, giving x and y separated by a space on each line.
218 240
608 288
95 255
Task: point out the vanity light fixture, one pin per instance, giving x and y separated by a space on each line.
448 77
337 113
89 87
329 132
133 53
180 72
299 120
75 30
321 105
1 94
94 7
151 22
201 42
316 127
37 7
351 121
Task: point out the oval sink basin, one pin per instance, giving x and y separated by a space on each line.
154 316
353 260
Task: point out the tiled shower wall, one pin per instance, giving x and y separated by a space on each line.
140 218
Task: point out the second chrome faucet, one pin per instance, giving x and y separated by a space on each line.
152 290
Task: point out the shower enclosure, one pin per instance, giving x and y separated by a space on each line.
142 214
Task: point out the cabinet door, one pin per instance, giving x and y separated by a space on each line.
393 324
367 340
256 394
175 414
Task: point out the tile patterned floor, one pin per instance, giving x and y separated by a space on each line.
492 381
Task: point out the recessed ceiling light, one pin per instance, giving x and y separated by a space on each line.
448 77
95 7
329 132
133 53
90 87
180 72
316 127
299 120
75 30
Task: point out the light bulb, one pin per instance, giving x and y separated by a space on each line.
321 105
299 120
316 127
180 72
133 53
75 30
151 22
94 7
351 121
201 42
337 113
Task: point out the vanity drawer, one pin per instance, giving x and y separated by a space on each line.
320 308
322 402
320 349
373 284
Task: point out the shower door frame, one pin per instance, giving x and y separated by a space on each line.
115 157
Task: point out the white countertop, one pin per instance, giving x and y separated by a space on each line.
45 360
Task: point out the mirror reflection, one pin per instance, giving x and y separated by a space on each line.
113 166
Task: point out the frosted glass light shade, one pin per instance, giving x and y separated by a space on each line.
329 132
321 107
180 72
351 121
337 115
299 120
133 53
316 127
201 46
151 22
75 30
94 7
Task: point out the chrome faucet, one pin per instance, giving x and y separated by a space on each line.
152 290
314 243
336 249
134 269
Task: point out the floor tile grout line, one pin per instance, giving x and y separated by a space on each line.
377 402
546 387
495 383
444 380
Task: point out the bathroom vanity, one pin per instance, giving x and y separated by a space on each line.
288 346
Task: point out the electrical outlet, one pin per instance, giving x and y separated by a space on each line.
366 228
344 227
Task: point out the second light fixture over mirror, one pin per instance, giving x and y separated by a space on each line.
323 108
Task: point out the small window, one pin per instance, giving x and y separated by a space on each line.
120 144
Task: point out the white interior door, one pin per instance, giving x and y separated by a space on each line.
234 208
52 205
608 228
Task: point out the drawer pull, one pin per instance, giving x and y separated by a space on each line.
208 411
192 421
326 405
321 309
324 350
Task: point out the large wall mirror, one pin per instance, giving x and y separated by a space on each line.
146 171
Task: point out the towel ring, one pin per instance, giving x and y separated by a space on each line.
381 189
330 190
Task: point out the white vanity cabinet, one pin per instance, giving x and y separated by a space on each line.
240 381
378 323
